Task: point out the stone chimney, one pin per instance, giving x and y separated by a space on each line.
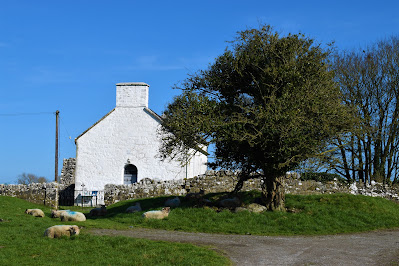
132 94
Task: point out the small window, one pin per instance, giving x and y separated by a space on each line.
130 175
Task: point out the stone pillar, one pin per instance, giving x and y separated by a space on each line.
68 172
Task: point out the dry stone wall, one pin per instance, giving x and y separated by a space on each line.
68 171
222 181
211 182
36 193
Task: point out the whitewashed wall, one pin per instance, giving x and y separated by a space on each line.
127 135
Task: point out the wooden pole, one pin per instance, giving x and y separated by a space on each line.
56 159
56 146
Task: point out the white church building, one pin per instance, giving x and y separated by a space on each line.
123 148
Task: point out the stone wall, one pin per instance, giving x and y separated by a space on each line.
211 182
224 181
68 171
36 193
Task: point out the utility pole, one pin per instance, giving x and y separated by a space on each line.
56 146
56 159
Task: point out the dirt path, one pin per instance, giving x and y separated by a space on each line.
372 248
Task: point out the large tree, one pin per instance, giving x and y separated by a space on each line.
369 80
266 104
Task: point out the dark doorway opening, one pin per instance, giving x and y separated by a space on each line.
130 175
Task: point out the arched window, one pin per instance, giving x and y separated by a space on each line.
130 175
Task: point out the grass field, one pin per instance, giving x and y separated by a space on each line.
313 215
22 241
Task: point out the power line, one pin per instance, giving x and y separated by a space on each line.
25 114
69 135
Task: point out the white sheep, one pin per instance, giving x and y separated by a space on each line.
61 230
172 202
57 214
134 208
72 216
157 214
35 212
98 211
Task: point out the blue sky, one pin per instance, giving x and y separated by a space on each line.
68 56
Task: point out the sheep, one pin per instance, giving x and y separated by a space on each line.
35 212
61 230
98 211
157 214
195 196
172 202
134 208
57 214
230 203
72 216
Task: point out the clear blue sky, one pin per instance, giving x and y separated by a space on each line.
68 55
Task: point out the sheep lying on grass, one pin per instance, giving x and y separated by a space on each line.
61 230
35 212
72 216
157 214
195 196
230 203
172 202
57 214
98 211
134 208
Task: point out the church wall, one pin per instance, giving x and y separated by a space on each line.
125 136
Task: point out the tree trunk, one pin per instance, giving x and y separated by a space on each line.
360 158
242 177
273 196
344 160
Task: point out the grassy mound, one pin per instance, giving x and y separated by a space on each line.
22 243
307 215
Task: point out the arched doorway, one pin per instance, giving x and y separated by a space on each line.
130 174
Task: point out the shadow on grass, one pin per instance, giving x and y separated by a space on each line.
158 203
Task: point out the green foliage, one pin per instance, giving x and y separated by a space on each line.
22 243
267 103
321 177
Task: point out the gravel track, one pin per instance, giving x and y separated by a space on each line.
371 248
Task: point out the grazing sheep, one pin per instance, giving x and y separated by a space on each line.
98 211
72 216
57 214
157 214
134 208
172 202
230 203
61 230
35 212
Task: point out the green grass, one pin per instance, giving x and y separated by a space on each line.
22 243
313 215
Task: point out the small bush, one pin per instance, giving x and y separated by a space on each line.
321 177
